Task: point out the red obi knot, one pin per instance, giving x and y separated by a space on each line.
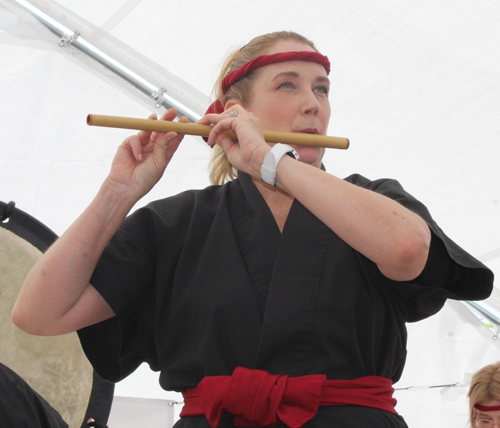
258 398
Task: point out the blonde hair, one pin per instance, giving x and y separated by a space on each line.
485 386
220 169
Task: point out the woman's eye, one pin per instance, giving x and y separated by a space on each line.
286 85
322 89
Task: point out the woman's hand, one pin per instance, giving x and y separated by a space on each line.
142 158
247 154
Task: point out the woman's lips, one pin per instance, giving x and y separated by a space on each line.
308 131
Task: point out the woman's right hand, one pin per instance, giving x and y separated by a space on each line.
246 154
141 159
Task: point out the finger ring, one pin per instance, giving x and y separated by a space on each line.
234 113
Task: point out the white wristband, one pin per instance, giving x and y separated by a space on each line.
271 161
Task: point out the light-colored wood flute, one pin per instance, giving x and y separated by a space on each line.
300 139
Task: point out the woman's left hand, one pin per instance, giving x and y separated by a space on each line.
248 153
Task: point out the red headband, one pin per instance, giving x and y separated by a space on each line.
486 408
263 60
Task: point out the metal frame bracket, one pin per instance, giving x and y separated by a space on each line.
67 39
158 96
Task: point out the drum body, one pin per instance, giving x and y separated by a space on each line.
55 367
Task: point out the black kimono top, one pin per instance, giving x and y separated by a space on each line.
204 281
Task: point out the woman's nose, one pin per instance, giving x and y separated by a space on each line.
311 104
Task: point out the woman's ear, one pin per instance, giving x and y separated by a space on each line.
231 103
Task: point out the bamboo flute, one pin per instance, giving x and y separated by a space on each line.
300 139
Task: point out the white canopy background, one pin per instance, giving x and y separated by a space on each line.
416 88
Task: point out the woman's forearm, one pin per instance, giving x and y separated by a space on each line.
56 296
387 233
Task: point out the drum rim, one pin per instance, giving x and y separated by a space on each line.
41 237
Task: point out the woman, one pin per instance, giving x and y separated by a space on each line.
484 397
283 271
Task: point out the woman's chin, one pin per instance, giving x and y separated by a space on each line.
310 155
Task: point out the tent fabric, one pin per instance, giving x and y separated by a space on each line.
415 87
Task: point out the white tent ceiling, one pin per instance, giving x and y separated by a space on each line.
416 88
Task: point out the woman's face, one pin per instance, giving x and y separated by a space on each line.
292 96
488 419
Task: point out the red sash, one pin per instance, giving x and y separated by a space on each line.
258 398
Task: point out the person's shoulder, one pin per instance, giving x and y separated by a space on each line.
205 200
179 211
357 179
367 183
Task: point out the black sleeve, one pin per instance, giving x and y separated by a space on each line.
450 272
138 264
125 277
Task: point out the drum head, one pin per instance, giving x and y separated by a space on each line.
55 367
